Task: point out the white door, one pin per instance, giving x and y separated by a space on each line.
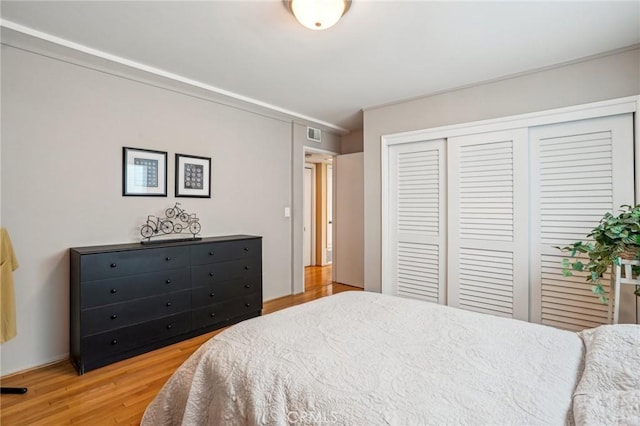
329 226
308 220
415 253
348 265
580 170
488 223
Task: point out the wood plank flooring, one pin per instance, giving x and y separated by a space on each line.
119 393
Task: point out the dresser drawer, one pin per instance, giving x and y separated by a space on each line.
125 339
109 317
223 271
221 291
105 292
225 311
225 250
120 263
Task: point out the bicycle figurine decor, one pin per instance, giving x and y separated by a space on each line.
176 221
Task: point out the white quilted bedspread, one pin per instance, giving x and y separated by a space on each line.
609 390
361 358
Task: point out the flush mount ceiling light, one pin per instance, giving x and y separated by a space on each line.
318 14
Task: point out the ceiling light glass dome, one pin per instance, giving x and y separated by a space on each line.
319 14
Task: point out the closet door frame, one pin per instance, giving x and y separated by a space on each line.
629 104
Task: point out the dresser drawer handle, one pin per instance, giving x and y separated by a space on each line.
212 314
114 342
114 316
168 304
168 281
246 249
248 305
113 265
210 274
167 258
114 290
212 294
210 253
247 286
246 268
169 327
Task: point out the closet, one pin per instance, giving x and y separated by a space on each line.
472 213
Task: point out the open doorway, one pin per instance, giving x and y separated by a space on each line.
318 220
308 230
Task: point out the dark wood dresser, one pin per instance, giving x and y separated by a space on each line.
128 299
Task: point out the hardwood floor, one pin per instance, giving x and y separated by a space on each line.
119 393
318 284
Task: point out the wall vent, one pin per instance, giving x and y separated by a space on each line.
314 134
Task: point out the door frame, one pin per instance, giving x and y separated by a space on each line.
298 284
330 199
630 104
312 210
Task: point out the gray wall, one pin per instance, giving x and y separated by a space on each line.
63 129
607 77
353 142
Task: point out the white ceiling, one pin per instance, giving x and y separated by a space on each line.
380 52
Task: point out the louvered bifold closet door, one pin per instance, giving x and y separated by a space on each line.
416 221
579 171
488 223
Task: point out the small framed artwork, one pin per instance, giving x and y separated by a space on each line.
193 176
144 172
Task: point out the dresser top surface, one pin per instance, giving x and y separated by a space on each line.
157 244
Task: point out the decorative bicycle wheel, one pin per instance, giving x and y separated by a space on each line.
177 228
184 217
146 231
195 228
170 212
166 226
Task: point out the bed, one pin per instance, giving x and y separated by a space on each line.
359 358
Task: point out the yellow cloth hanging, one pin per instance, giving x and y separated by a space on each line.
8 264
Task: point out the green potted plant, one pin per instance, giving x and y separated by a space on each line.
614 238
